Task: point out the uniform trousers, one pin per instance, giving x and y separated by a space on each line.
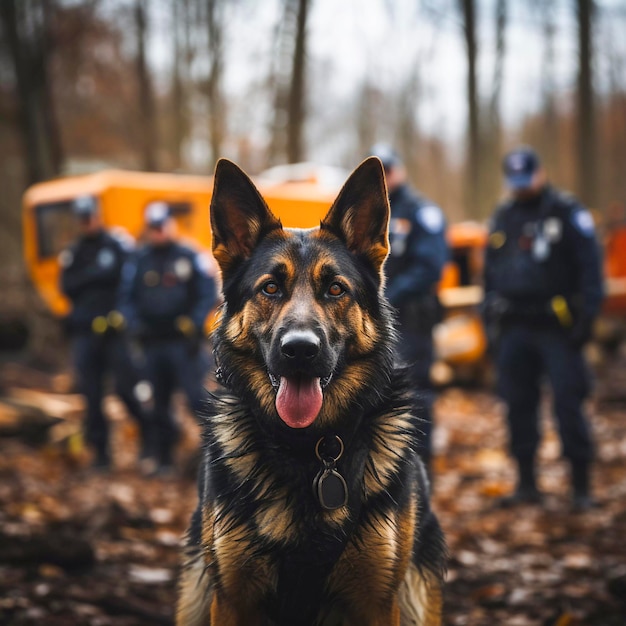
525 355
417 351
172 363
95 356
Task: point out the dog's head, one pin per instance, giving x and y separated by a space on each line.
305 330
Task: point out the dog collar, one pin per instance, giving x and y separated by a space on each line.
329 486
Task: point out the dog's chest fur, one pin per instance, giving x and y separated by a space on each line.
272 539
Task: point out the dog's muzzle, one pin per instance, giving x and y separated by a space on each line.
298 377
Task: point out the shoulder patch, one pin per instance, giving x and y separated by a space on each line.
106 258
183 268
205 263
431 218
123 238
583 222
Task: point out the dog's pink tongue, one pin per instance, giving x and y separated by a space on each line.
299 401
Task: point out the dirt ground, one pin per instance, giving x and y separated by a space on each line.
78 548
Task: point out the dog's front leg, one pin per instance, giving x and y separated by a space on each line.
225 613
375 616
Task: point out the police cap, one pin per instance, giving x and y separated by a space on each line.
519 166
388 156
85 206
157 213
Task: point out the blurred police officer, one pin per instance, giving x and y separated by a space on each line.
166 296
90 276
543 285
419 251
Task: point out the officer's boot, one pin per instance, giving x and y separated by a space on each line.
581 495
526 491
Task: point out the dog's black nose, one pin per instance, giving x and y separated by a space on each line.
300 347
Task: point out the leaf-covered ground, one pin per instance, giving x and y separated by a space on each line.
102 549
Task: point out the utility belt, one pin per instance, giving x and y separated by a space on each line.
111 323
180 327
159 335
555 312
421 313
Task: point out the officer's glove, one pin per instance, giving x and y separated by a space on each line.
191 332
116 321
186 327
99 325
581 331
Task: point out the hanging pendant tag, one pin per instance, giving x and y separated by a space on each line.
331 489
329 486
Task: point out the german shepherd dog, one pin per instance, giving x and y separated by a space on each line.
313 506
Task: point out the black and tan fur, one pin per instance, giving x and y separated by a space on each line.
261 550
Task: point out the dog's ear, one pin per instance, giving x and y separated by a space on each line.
360 214
240 218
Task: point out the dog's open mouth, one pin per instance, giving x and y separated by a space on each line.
299 398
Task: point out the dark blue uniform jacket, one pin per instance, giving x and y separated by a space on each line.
162 283
90 276
417 233
542 248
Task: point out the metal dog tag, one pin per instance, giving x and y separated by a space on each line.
331 489
329 486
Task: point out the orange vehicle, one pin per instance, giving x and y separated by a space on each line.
299 195
610 328
615 261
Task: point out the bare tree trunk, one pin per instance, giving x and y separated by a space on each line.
550 147
147 109
178 93
492 130
473 159
296 109
279 85
48 102
30 57
369 113
217 122
615 132
498 71
586 117
407 129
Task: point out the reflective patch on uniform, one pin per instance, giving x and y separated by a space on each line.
431 218
151 278
204 264
497 239
123 237
583 221
66 258
552 229
183 268
105 258
143 391
399 230
399 226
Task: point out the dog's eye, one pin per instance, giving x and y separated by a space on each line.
270 288
336 290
